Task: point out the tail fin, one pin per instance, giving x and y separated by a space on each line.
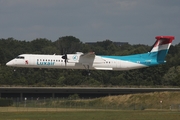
161 47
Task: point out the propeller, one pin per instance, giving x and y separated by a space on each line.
65 58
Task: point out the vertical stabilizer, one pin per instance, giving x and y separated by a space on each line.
160 48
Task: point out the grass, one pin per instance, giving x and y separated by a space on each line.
143 101
145 106
90 115
156 100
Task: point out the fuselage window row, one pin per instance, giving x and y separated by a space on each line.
49 60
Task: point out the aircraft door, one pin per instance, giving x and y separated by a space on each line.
29 60
123 65
113 64
118 64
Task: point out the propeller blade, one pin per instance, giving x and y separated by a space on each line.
65 59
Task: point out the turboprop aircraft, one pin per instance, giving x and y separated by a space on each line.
90 61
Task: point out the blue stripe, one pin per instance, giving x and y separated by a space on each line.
148 59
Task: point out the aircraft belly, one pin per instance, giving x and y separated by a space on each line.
127 65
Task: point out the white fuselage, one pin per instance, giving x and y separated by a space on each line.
74 61
96 62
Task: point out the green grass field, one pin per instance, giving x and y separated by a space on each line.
86 114
145 106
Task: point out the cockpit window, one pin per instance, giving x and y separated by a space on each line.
19 57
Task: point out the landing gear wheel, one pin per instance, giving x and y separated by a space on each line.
87 69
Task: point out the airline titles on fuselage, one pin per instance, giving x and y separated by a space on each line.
45 62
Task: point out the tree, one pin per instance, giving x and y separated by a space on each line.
166 74
68 44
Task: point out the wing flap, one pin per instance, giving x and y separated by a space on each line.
100 68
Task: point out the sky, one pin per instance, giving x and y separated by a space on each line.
132 21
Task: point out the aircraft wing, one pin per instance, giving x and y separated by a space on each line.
88 55
85 58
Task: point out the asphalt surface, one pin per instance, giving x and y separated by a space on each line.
12 92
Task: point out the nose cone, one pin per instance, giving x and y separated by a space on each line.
10 63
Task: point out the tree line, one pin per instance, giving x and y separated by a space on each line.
162 75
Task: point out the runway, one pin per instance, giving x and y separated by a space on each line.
86 92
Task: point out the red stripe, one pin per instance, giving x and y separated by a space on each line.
162 40
165 41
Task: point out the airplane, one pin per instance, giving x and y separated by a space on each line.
90 61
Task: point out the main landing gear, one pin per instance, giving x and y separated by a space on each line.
87 69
